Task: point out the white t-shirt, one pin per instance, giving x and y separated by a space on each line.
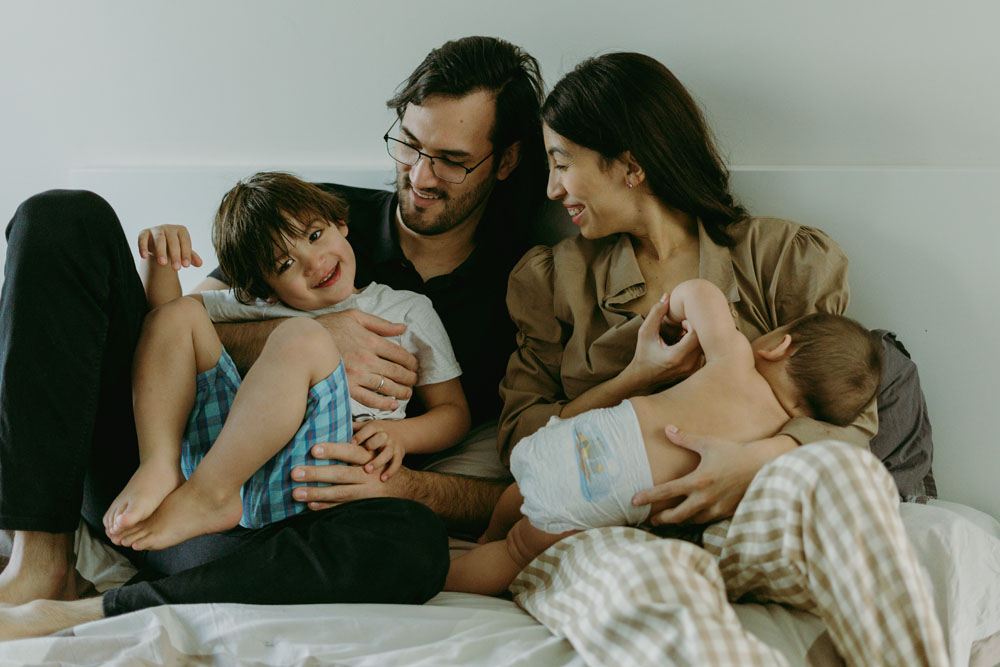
425 336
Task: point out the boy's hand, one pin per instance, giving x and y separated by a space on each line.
168 244
375 437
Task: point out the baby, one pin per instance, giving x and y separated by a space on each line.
282 244
582 472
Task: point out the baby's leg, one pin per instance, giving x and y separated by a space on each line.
177 343
490 568
266 413
506 513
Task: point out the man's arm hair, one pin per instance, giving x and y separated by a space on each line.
465 504
245 340
242 340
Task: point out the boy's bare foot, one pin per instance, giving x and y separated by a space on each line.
187 512
43 617
150 484
41 566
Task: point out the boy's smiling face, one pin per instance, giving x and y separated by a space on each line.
314 270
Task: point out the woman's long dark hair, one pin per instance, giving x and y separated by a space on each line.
630 102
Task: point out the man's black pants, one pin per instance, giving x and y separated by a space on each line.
70 315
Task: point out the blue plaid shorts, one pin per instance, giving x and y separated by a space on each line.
267 495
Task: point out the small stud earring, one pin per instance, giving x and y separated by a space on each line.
628 184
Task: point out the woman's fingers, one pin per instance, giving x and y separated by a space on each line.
650 326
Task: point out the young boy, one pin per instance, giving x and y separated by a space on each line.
283 241
824 366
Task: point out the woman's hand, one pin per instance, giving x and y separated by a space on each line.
716 486
656 362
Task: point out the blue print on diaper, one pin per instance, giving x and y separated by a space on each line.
598 470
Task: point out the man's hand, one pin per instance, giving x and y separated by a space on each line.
378 370
351 481
716 486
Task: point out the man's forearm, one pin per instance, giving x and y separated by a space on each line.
464 503
245 340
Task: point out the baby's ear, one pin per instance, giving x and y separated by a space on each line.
272 299
780 350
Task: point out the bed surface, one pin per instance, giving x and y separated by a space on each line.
959 546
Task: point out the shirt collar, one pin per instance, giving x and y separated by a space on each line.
715 264
385 243
625 282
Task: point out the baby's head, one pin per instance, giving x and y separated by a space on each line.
824 366
278 237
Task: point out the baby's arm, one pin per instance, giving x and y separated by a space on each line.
165 250
706 310
447 419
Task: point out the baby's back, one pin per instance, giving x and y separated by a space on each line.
726 400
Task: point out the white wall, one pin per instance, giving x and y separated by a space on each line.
895 86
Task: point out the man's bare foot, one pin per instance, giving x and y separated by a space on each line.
187 512
43 617
41 566
152 481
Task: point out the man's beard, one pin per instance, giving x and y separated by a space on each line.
453 211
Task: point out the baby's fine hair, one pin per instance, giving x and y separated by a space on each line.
256 218
836 364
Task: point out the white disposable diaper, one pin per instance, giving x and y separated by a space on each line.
582 472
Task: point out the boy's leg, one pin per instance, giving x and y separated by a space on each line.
266 413
505 514
819 529
70 313
178 342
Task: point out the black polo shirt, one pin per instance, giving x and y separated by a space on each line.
470 300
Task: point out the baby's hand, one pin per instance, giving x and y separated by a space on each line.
374 437
168 244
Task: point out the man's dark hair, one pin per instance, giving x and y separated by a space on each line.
254 220
471 64
836 365
630 102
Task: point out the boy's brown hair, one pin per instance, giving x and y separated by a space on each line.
836 364
254 220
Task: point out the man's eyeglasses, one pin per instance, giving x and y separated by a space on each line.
443 168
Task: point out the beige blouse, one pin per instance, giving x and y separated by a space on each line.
573 332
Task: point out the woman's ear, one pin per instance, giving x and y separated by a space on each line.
634 173
509 160
272 299
778 351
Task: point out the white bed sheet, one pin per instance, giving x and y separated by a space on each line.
962 556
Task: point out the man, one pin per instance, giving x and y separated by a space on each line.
72 308
470 179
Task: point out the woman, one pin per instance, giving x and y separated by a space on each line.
632 161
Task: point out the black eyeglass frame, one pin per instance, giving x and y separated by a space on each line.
468 170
